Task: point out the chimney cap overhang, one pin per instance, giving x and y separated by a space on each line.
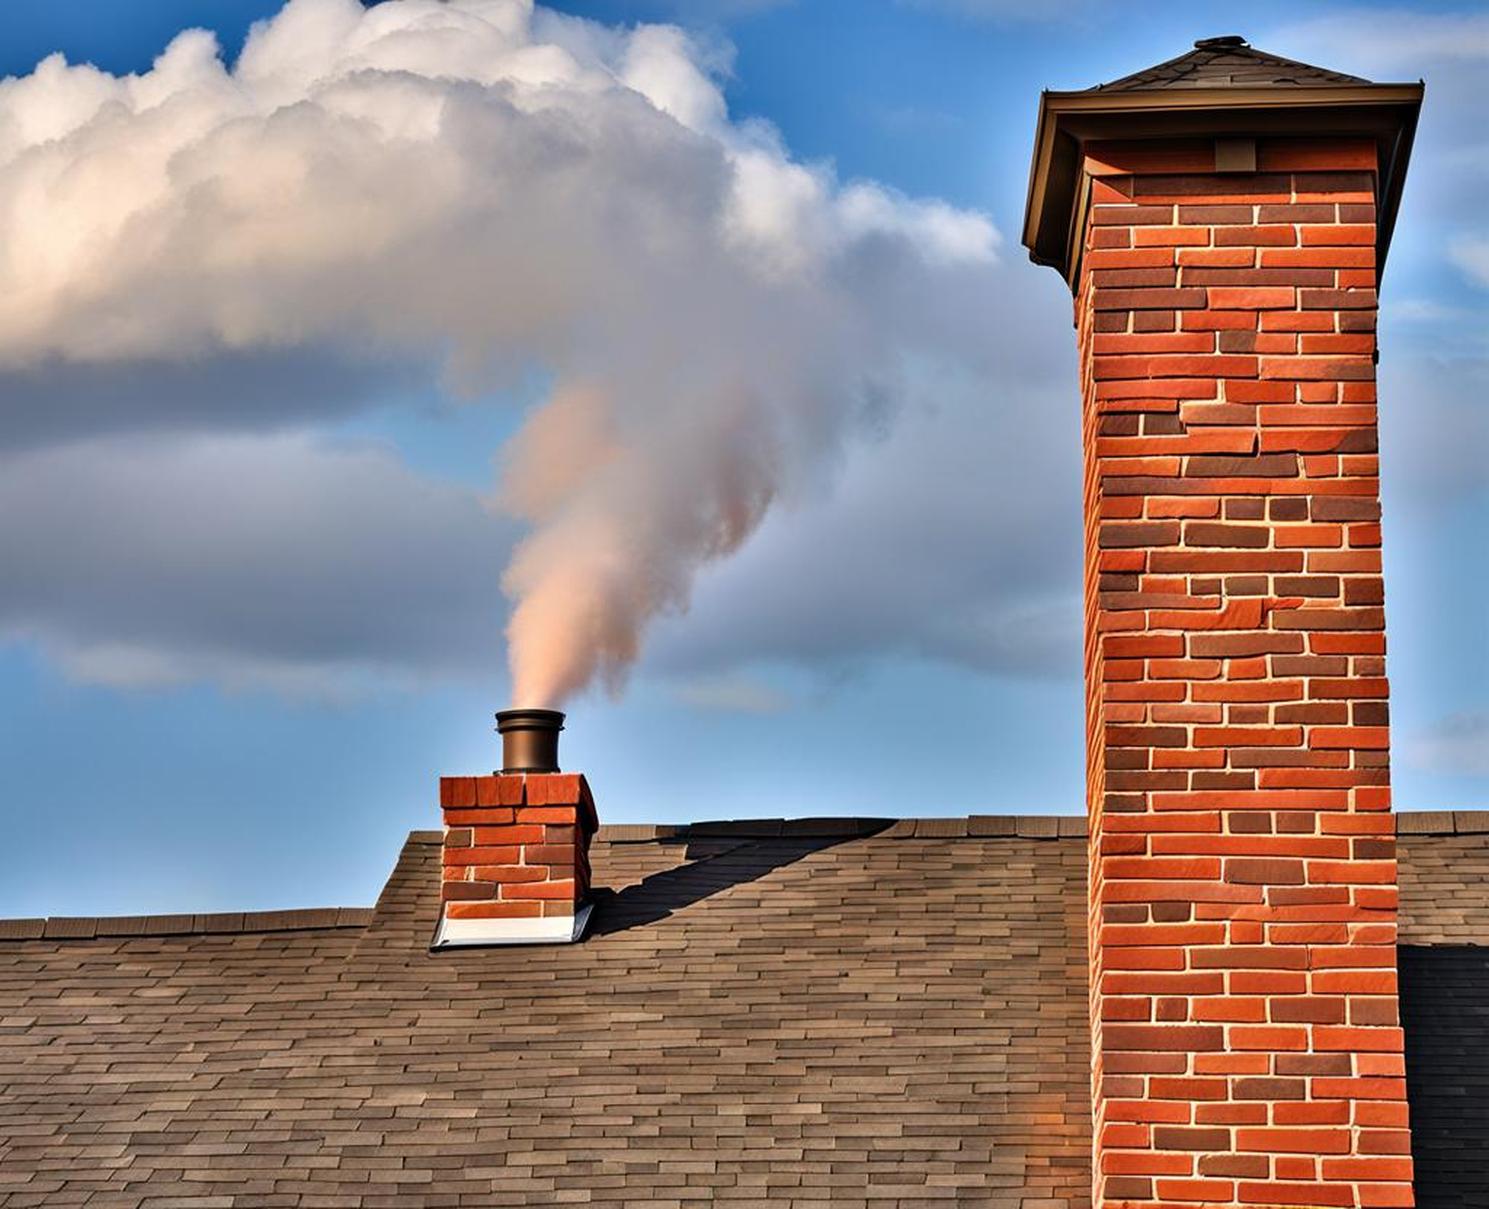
1218 90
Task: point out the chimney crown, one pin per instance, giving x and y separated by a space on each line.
1222 93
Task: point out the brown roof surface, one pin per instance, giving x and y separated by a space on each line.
1444 874
793 1013
1227 62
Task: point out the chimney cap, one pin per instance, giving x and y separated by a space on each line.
529 739
1222 89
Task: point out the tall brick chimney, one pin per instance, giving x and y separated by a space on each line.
1222 220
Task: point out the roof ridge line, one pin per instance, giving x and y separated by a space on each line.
1442 822
201 923
1156 67
976 826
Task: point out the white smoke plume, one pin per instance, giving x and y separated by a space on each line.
510 193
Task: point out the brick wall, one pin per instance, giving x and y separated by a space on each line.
516 845
1246 1047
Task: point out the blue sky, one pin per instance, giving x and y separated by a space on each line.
256 608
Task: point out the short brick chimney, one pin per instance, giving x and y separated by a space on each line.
515 866
1222 220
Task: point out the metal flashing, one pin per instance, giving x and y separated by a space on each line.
542 930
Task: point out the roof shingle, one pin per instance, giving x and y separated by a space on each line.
1227 62
791 1018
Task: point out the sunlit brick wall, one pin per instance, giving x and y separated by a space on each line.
1245 1033
516 845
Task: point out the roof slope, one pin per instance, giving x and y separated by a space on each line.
776 1015
1227 62
786 1020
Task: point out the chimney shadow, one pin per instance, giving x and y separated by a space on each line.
714 862
1445 1011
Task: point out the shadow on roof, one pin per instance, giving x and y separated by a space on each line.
713 866
1445 1011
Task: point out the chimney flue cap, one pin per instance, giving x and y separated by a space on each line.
529 739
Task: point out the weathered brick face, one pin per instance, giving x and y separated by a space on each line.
1243 872
516 845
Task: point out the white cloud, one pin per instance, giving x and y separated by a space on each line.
282 562
723 324
955 540
733 692
502 189
1457 744
1377 41
1419 310
253 561
1434 427
1442 206
1471 254
258 390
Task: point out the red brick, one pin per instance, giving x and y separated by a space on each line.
1385 1141
551 889
1245 321
1207 1191
486 872
554 789
482 855
1217 258
546 814
1318 257
489 910
1128 258
1178 1137
526 834
499 790
1311 1196
1346 1037
1264 871
1313 369
1294 1141
1314 1112
478 817
1202 983
1250 736
1131 215
1367 1169
1168 1038
1255 236
1255 298
1358 738
457 792
1172 366
501 874
1337 233
1136 1163
1169 237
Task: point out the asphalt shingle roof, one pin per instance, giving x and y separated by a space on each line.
789 1013
1227 62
